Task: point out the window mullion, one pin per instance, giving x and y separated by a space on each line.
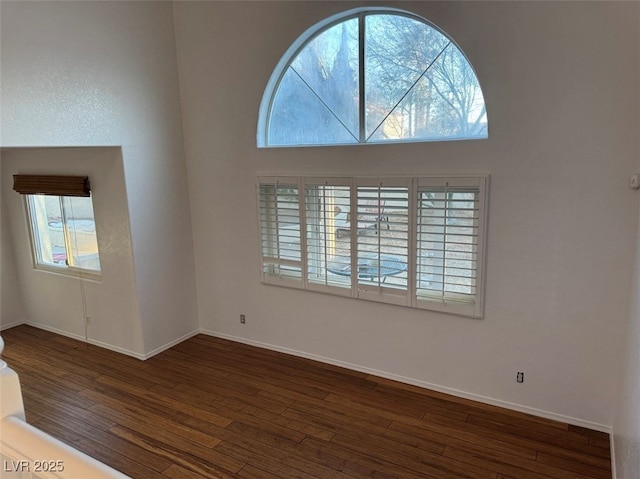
361 79
66 234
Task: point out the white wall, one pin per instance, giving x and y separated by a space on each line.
54 301
12 310
627 420
561 84
104 73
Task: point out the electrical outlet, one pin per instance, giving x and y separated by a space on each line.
88 319
520 377
243 319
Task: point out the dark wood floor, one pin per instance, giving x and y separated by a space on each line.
217 409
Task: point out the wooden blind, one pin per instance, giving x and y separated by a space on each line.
52 185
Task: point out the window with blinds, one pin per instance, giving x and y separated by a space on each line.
328 239
279 205
450 228
415 242
382 239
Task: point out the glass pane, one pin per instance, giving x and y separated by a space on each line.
81 227
47 228
299 117
328 65
398 50
329 235
446 103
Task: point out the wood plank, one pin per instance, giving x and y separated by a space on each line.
575 466
420 462
466 440
103 437
281 463
521 468
178 472
354 463
94 449
216 409
205 463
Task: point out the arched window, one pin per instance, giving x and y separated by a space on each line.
370 76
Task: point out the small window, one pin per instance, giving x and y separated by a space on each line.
63 233
416 242
372 75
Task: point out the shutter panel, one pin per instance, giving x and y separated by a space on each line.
328 235
449 246
52 185
279 205
382 240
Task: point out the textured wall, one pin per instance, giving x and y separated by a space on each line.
562 220
53 301
104 73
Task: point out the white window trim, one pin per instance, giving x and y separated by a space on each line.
383 294
66 270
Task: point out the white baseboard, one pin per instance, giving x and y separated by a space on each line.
110 347
116 349
170 344
414 382
12 324
51 329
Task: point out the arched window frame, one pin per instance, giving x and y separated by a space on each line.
318 29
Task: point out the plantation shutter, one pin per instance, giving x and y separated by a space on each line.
279 206
450 234
328 235
382 239
416 242
52 185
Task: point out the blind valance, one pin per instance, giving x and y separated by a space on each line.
52 185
